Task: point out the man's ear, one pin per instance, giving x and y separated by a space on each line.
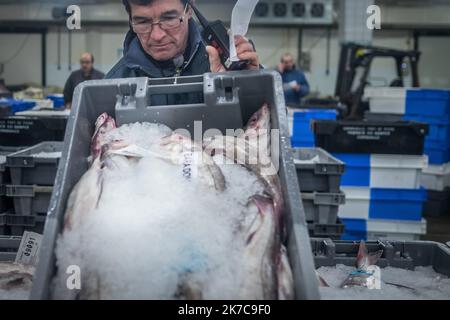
190 11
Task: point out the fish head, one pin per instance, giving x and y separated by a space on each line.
364 259
103 125
260 120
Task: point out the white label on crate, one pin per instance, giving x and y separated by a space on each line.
28 253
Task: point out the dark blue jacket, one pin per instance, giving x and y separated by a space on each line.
291 96
137 63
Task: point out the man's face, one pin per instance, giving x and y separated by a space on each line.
86 64
288 62
162 44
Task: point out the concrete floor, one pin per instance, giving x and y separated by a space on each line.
438 229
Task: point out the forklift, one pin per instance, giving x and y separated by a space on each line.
354 69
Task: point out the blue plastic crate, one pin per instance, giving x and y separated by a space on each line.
302 135
397 204
357 169
319 114
439 126
428 102
58 101
17 105
438 152
355 229
302 143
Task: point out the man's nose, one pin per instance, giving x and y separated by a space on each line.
157 33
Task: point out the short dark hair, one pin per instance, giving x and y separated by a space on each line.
127 3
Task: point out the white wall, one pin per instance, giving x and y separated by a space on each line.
104 43
25 64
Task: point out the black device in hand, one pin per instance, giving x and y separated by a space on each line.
215 34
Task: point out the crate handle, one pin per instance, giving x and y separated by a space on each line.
40 189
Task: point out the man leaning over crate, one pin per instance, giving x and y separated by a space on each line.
165 41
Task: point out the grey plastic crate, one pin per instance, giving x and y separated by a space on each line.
19 224
8 248
2 168
398 254
437 204
30 200
333 231
27 169
323 175
4 201
4 229
224 94
322 207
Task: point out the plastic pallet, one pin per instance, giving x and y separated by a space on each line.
28 169
30 200
317 170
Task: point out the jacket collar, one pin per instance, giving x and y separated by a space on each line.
136 58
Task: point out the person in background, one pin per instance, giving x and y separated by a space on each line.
165 41
295 84
86 72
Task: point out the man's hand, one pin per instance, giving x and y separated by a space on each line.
244 51
297 87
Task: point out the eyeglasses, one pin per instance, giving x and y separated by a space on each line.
167 23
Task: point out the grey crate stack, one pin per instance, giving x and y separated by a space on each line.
28 176
9 245
319 176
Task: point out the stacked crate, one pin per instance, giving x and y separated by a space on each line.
436 179
32 175
9 245
431 106
319 176
300 125
382 179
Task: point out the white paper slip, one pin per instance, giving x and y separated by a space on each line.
240 20
293 84
28 253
